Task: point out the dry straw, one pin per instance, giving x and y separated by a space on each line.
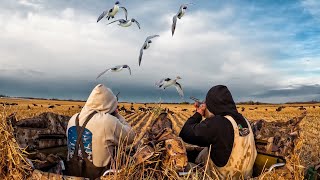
13 164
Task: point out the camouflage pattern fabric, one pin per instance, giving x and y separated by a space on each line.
160 142
242 157
313 173
44 137
277 138
44 131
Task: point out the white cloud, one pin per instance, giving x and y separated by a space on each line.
68 13
31 3
68 44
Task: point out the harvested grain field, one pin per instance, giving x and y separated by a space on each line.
141 116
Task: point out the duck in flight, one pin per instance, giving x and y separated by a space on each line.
112 12
167 82
126 22
180 14
115 69
145 46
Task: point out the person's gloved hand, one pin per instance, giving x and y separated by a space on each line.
201 108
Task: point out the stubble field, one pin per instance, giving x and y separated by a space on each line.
307 150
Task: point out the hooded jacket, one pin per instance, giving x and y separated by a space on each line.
217 130
104 131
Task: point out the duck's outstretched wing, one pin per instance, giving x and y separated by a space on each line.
125 12
160 83
174 24
185 5
140 56
114 21
102 15
150 37
103 72
128 67
138 24
179 89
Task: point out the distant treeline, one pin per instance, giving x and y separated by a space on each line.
185 102
262 103
252 103
72 100
51 99
307 102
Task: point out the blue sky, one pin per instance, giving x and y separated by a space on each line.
262 50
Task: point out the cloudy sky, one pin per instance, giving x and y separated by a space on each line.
262 50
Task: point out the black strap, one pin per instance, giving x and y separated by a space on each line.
114 113
80 130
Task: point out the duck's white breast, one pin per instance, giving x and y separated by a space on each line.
126 24
115 10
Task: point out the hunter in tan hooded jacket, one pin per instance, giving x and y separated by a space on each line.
103 132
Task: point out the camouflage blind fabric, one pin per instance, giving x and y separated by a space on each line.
44 131
160 141
277 138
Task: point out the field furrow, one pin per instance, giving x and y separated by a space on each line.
189 114
141 128
184 117
136 118
179 120
140 118
174 120
133 117
127 116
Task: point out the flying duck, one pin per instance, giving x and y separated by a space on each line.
181 12
145 46
112 12
126 23
115 69
164 83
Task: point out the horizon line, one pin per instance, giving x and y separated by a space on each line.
250 102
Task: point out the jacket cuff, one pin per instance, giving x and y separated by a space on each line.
197 116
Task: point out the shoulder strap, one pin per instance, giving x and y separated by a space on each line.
248 123
234 124
242 131
80 132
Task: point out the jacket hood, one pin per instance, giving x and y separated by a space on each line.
219 101
101 99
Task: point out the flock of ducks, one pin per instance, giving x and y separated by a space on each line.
111 13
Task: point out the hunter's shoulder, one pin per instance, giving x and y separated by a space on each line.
217 121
